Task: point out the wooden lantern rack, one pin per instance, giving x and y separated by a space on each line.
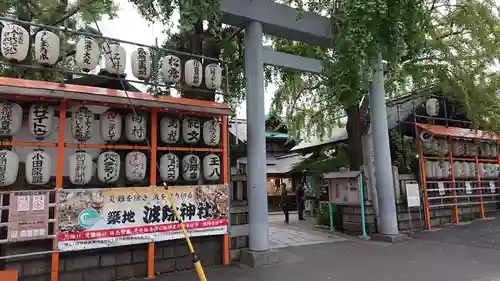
20 89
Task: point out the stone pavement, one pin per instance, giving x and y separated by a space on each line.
437 255
297 233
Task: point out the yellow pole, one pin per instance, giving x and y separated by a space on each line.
196 259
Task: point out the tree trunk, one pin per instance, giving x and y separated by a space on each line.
356 127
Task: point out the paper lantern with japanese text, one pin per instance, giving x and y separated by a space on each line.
38 165
135 127
46 47
211 132
15 42
213 76
81 168
11 118
191 167
171 69
170 130
191 130
87 54
110 125
169 167
141 63
193 73
115 58
9 167
41 120
211 167
108 167
432 107
135 166
82 121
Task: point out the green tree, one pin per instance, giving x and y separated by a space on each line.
449 44
78 15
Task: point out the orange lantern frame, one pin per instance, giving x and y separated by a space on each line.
64 94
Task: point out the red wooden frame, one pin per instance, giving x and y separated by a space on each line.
22 89
450 133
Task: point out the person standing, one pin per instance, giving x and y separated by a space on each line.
284 204
300 193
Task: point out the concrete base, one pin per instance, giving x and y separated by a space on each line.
363 237
389 238
258 259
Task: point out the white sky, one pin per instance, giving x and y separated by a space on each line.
130 26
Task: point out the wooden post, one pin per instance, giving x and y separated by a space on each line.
152 179
225 176
54 274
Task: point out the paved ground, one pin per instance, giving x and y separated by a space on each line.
297 233
457 253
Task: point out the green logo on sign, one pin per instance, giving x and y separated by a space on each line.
87 218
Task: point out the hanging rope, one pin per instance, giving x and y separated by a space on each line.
196 259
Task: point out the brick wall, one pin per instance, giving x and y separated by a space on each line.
117 263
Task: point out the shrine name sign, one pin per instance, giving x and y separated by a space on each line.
97 218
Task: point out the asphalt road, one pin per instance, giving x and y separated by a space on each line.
456 253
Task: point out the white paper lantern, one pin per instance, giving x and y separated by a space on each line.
38 165
11 118
170 130
81 168
9 167
41 120
141 63
171 69
135 166
169 167
87 54
211 167
82 121
108 167
191 130
432 107
115 58
211 132
46 47
135 127
213 76
191 167
193 73
15 42
110 125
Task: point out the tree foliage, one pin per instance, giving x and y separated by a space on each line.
75 15
451 44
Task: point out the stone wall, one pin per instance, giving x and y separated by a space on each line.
117 263
238 231
351 217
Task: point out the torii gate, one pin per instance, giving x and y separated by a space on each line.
265 16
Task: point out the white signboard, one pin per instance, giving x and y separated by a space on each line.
412 195
468 188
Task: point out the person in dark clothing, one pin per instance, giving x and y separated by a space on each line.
300 193
284 204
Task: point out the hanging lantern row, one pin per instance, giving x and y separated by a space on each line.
41 125
81 167
37 167
15 43
170 167
109 165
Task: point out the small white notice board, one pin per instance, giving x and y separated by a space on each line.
412 195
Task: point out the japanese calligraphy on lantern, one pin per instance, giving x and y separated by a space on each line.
97 218
28 215
191 130
41 119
